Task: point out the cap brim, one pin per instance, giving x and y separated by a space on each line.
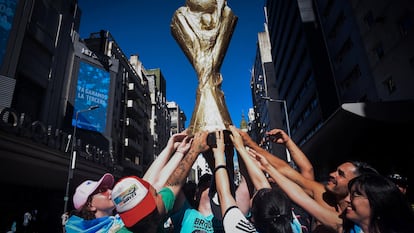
141 210
107 180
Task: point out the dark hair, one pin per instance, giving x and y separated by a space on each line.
85 212
272 211
398 179
390 211
363 168
203 183
189 190
149 223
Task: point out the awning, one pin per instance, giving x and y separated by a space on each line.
381 134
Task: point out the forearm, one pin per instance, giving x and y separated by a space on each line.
299 196
167 170
223 187
153 171
177 178
255 173
301 160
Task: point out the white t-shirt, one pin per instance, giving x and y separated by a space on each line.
234 221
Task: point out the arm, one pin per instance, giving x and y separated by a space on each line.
178 177
243 196
233 218
221 176
172 164
327 217
153 171
255 173
300 159
310 186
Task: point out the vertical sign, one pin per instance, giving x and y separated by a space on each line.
92 89
7 10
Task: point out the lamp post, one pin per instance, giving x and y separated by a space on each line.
286 117
73 154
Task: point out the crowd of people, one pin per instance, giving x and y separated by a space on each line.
271 196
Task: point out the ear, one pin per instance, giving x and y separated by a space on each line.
91 207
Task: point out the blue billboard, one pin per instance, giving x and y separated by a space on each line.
7 11
92 90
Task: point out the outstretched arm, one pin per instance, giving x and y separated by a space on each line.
221 176
327 217
172 164
178 177
302 162
310 186
233 218
153 171
255 173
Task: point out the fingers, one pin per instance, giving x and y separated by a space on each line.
218 134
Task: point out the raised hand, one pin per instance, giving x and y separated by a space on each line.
278 136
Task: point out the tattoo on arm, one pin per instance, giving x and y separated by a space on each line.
177 178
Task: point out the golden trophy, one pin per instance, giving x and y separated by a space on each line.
203 29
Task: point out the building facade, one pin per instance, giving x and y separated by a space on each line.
344 69
67 100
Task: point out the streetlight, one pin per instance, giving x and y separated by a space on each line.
73 154
286 117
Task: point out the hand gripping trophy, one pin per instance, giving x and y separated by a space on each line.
203 29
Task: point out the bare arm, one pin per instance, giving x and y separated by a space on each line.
327 217
255 173
310 186
178 177
153 171
221 175
243 196
300 159
172 164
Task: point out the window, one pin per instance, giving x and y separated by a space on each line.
328 8
406 24
337 25
369 19
390 85
412 62
351 77
346 47
379 51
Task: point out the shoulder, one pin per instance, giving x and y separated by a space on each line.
235 221
168 198
124 230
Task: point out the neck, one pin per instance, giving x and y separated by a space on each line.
101 213
204 207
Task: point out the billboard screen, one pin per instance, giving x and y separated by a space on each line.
7 10
92 89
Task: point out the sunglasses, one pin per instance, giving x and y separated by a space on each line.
103 189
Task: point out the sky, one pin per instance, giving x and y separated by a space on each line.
143 28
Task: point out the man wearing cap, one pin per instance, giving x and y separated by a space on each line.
94 209
401 182
140 206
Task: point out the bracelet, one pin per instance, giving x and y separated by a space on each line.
178 151
218 167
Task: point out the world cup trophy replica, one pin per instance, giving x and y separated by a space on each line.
203 29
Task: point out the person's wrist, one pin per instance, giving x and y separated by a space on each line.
218 167
180 151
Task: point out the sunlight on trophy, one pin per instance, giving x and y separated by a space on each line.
203 29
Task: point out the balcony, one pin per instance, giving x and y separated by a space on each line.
132 147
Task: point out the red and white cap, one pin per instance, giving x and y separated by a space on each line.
133 200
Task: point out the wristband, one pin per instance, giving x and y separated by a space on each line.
218 167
